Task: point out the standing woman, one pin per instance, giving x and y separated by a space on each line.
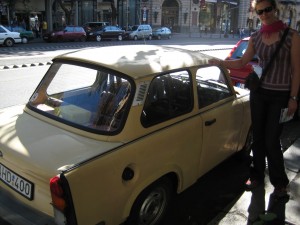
279 89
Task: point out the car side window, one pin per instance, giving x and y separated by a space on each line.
169 95
2 30
68 29
212 86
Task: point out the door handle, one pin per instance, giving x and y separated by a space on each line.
210 122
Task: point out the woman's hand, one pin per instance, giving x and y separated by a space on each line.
292 107
215 62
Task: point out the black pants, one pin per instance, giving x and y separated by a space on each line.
266 107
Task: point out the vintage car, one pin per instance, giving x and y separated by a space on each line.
108 138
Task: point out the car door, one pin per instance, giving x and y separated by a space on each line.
3 35
221 114
109 32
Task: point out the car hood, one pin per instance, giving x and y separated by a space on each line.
39 146
15 34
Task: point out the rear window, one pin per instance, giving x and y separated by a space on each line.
89 98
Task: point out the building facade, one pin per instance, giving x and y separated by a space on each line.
194 16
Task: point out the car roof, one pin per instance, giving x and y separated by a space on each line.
138 60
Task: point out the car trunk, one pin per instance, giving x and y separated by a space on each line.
33 151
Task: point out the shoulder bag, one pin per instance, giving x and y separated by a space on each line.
253 81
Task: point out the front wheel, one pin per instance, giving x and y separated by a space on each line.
151 205
9 42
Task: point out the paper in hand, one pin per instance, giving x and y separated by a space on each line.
284 117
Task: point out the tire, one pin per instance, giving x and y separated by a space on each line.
159 37
9 42
24 40
150 37
98 38
151 205
120 37
135 38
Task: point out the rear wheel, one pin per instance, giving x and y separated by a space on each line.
24 40
151 205
159 37
9 42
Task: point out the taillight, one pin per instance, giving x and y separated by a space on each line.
57 194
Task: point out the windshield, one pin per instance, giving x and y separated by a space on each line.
134 28
93 99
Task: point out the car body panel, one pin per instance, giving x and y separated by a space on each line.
5 34
93 161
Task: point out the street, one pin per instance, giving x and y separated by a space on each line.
212 195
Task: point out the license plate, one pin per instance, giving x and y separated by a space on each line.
16 182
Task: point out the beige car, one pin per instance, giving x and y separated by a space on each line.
108 138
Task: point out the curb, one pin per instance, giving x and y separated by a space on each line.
24 65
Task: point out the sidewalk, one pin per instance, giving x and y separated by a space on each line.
250 204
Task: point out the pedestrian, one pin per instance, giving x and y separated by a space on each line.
278 89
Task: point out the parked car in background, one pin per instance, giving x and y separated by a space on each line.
26 35
107 32
162 32
91 26
9 38
238 76
69 33
143 31
114 136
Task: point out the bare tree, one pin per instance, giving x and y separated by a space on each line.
113 12
67 8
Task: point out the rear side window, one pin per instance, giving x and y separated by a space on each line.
169 95
212 86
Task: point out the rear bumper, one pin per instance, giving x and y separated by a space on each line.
16 213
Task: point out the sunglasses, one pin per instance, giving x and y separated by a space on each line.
266 10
